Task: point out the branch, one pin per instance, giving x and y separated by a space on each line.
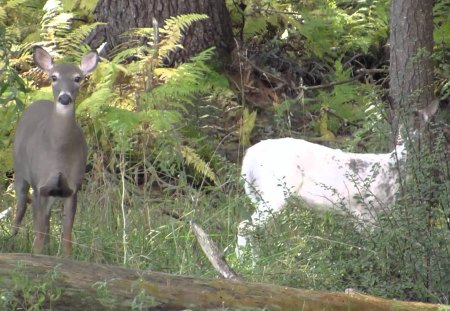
360 74
64 284
213 254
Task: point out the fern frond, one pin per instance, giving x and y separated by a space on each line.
255 25
55 20
126 121
247 125
172 32
186 80
54 24
136 52
152 53
193 159
12 4
72 45
102 96
2 15
162 120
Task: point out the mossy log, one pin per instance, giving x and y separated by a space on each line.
86 286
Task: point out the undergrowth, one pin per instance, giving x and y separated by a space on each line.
155 164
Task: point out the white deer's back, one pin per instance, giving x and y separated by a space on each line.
275 168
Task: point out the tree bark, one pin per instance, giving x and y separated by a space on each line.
87 286
411 44
123 15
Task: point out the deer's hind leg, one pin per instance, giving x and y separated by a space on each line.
21 186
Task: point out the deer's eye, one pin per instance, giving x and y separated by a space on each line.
77 79
54 78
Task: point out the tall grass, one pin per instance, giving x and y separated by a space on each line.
403 256
156 240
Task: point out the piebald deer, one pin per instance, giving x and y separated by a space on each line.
274 169
50 151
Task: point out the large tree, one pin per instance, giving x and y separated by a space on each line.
411 87
411 45
122 15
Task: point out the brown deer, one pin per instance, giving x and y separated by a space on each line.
50 151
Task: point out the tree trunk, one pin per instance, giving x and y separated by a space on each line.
411 87
411 45
123 15
85 286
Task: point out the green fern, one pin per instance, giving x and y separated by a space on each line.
248 123
59 35
172 32
102 95
72 46
171 35
193 159
367 26
185 81
2 15
163 106
55 23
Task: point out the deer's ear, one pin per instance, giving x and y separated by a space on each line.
89 62
42 58
427 112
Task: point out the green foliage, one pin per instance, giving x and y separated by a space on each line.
374 131
166 95
330 28
172 32
11 86
19 16
366 25
160 41
23 293
442 21
442 42
187 80
344 99
59 34
248 123
101 93
200 166
327 41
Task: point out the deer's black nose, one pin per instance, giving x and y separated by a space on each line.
65 99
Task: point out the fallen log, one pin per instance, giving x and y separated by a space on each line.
73 285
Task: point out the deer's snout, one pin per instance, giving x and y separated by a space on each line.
65 99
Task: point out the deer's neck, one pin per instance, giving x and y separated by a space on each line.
64 128
400 146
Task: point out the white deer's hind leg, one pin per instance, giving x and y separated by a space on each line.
244 232
273 203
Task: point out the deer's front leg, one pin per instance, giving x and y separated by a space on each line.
70 208
41 219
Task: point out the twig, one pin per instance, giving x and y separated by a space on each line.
213 254
172 214
360 73
324 86
330 112
209 248
266 73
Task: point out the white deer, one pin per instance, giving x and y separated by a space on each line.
274 169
